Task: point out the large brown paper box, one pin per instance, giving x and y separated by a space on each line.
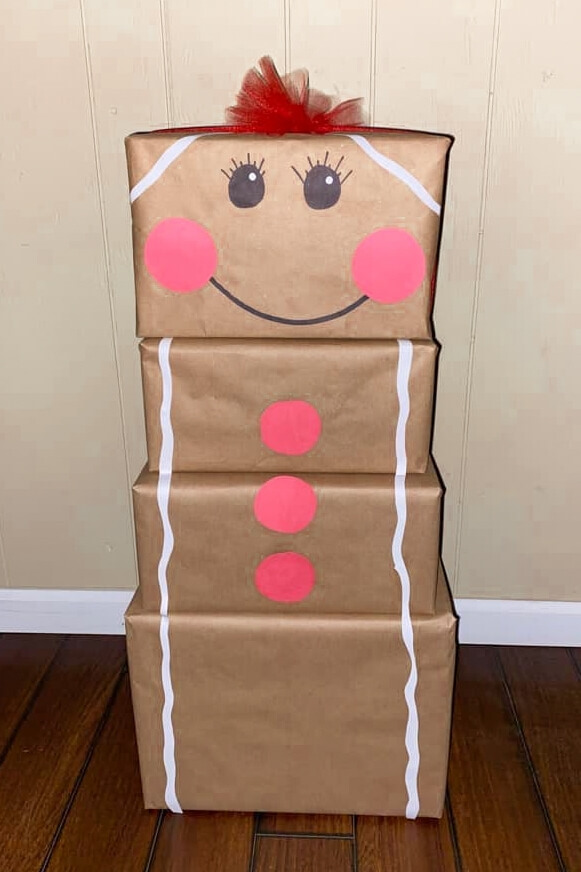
292 236
219 543
223 391
292 714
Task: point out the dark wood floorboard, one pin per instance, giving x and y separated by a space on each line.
24 660
204 842
317 824
295 854
389 844
106 827
546 690
44 760
70 798
498 818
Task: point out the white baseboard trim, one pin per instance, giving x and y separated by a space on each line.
519 622
63 611
484 622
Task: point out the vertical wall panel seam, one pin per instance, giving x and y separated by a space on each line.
373 60
287 35
477 288
167 76
3 559
106 255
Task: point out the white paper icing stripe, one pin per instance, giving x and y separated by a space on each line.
163 491
398 171
412 728
169 759
160 166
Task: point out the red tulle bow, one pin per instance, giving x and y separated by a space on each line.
270 103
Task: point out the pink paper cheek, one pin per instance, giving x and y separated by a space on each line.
389 265
287 577
285 504
180 255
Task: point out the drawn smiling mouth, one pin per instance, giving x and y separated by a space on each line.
301 322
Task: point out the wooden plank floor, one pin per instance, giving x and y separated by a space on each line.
70 795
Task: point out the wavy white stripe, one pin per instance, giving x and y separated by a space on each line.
412 728
163 491
160 166
398 171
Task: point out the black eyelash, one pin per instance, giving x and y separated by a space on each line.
325 164
244 163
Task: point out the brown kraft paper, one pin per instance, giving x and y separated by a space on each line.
219 543
213 260
223 391
293 714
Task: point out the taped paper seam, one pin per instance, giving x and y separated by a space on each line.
412 727
163 491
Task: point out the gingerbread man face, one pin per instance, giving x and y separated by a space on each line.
294 236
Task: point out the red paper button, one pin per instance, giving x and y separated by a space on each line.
290 427
286 577
285 504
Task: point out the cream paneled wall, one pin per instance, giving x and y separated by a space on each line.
520 530
77 75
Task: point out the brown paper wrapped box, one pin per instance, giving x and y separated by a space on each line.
332 236
292 714
219 542
223 391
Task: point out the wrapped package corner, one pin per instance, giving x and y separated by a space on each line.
280 264
310 715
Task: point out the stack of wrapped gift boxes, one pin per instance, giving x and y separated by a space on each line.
292 640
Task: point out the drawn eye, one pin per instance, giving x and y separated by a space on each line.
322 183
245 183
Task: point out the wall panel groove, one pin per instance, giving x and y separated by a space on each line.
107 261
373 61
4 580
332 39
166 52
286 10
211 46
477 288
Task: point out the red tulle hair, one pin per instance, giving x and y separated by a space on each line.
272 104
